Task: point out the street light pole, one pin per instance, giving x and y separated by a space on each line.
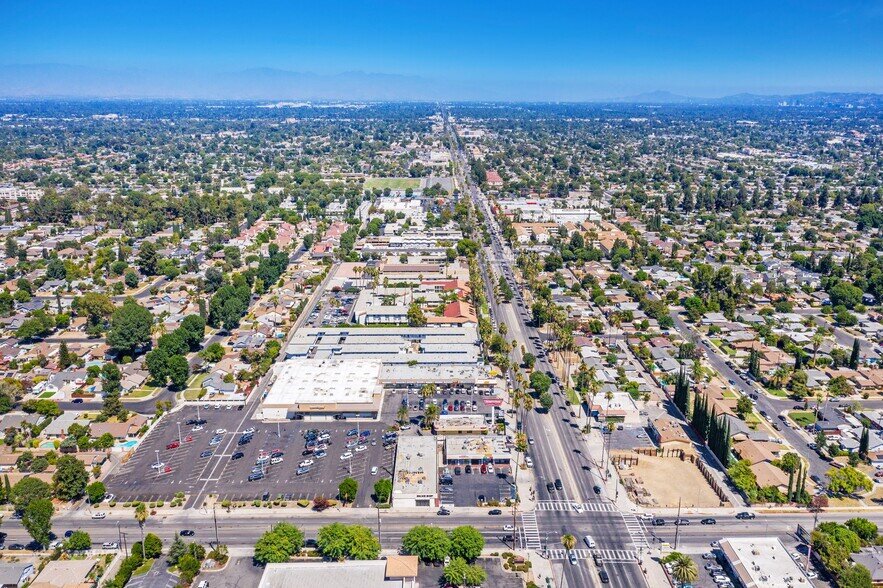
156 451
180 439
379 535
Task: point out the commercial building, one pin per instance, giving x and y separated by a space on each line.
761 562
415 479
461 424
324 389
398 571
476 450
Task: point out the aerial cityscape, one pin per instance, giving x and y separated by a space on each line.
489 317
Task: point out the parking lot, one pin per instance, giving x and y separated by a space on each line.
470 488
192 462
334 310
198 468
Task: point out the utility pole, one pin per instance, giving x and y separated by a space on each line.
215 517
379 535
677 524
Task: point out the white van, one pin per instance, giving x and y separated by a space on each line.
590 543
203 584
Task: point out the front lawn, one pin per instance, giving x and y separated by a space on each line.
142 392
778 392
803 417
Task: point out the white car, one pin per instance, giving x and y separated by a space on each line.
248 431
197 428
109 497
220 431
276 460
306 463
157 466
110 545
347 455
508 527
56 543
578 508
528 461
99 515
361 448
374 471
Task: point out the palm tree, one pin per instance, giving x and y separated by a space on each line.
430 415
141 516
817 339
427 390
684 569
402 414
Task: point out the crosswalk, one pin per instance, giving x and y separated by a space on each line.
565 505
635 529
607 555
530 531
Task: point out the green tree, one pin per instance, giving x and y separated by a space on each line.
148 258
334 541
96 307
466 543
415 315
855 355
130 328
152 546
213 353
37 520
176 550
383 490
460 573
70 478
188 567
427 543
193 331
363 544
278 544
79 541
529 360
179 371
848 480
96 491
130 279
27 490
157 363
348 489
744 407
865 529
857 576
546 401
540 382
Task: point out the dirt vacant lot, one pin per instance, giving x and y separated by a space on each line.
666 479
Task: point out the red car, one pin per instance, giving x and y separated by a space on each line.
188 438
173 445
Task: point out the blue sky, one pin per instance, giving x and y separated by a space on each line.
595 49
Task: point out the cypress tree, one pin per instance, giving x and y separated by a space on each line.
863 443
790 483
853 359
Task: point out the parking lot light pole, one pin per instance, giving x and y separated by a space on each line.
156 451
180 439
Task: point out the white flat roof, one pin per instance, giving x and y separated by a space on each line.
324 381
762 562
416 469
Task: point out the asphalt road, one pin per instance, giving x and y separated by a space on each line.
560 453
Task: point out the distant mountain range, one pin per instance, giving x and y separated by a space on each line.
70 81
865 99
